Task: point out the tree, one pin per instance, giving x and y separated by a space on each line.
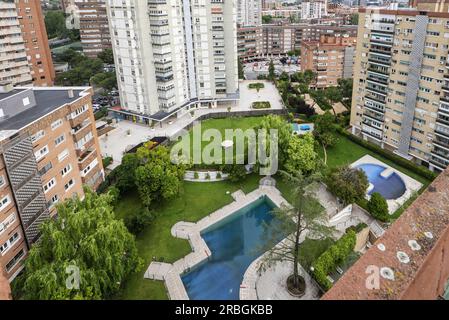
126 172
157 177
309 77
241 69
348 184
333 94
81 73
301 155
305 215
284 131
345 87
85 240
106 56
237 172
55 24
378 207
266 19
300 106
324 131
354 19
271 74
105 80
137 221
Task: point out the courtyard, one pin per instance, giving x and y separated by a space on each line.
198 200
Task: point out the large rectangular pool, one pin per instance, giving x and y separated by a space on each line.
235 242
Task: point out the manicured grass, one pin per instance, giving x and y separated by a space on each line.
221 125
196 201
257 86
346 152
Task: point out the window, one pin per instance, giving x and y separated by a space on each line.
45 168
53 200
63 155
69 185
59 140
7 222
49 185
2 181
9 243
14 260
56 124
89 167
4 202
66 170
41 153
37 135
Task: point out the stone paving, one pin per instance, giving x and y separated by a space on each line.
171 273
128 134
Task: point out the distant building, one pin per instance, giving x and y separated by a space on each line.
48 150
331 58
401 83
249 13
171 57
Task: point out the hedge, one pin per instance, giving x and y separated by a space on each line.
420 170
332 257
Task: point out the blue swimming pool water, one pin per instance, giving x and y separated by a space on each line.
235 242
391 188
305 127
301 127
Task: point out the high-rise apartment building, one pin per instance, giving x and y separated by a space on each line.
35 38
25 56
48 150
173 54
94 27
401 83
14 66
249 12
331 58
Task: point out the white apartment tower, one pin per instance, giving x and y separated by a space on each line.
14 68
172 55
249 13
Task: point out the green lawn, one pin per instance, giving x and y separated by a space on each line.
346 152
221 125
196 201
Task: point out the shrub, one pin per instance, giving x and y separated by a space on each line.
115 193
257 86
348 184
420 170
139 220
236 172
261 105
107 161
218 175
207 176
196 175
378 207
332 257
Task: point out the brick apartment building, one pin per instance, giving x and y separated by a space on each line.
331 58
411 259
48 150
35 39
278 39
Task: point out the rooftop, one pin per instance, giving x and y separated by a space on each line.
47 100
410 255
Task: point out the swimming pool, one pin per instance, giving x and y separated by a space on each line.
390 188
302 128
235 242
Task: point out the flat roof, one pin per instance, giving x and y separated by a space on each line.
47 100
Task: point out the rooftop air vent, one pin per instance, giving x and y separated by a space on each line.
403 257
414 245
381 247
387 273
428 235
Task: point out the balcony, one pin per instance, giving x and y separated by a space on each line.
376 99
373 116
81 130
86 158
78 120
377 80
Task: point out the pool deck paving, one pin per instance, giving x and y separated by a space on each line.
411 184
171 273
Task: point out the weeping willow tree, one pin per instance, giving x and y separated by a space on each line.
85 253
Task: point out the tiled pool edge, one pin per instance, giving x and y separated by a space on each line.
171 273
411 185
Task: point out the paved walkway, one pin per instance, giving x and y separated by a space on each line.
171 273
128 134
